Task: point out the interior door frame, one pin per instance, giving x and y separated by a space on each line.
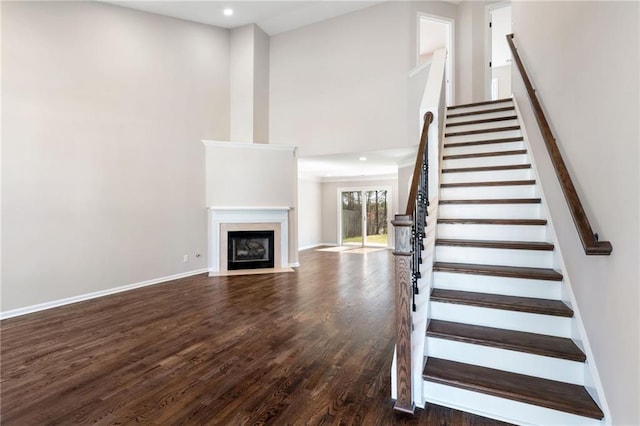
451 57
488 45
363 189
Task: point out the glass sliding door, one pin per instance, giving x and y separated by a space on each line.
376 218
352 218
364 217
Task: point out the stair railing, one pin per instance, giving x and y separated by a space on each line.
589 240
409 235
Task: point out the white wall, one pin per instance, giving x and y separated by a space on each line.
330 203
103 178
590 92
405 176
241 66
249 80
261 44
309 213
341 85
250 175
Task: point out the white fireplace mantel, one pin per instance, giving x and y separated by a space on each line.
248 215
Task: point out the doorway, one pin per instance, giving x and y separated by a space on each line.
435 33
499 25
364 217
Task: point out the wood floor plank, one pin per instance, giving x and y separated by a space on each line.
314 346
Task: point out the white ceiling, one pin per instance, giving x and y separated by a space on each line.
272 16
335 166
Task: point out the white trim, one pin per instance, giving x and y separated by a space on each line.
294 264
235 215
82 297
265 146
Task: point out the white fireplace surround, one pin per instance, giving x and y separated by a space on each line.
246 215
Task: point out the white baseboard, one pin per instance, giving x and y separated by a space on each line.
318 245
74 299
294 264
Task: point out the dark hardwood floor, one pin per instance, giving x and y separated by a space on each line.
310 347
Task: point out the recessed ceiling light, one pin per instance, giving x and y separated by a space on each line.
228 11
363 158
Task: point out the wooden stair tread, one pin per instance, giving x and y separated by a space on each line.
537 344
513 245
530 305
484 111
480 131
499 271
483 121
494 183
474 104
487 168
483 142
485 154
494 201
551 394
534 222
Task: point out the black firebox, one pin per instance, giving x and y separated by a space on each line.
250 250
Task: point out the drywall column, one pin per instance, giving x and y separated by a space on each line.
260 86
249 84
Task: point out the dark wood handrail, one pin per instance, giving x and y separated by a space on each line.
587 237
415 180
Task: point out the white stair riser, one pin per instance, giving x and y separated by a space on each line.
491 256
499 318
560 370
522 287
500 408
507 103
493 232
489 147
483 136
499 114
488 192
490 211
481 126
498 160
512 174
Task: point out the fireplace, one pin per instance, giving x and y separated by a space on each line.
224 221
250 250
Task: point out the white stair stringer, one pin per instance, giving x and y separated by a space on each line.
467 219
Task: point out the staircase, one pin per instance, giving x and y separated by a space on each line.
500 338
